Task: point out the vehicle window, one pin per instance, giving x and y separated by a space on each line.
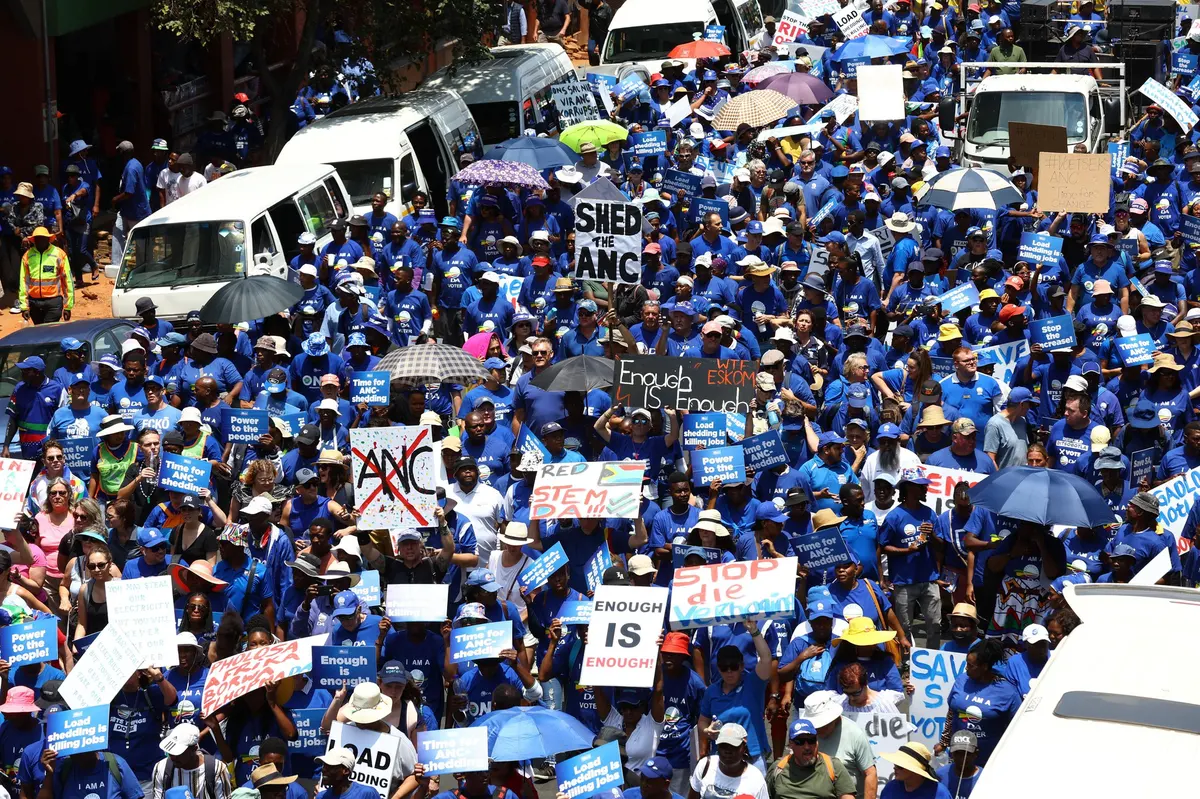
751 16
318 210
992 111
364 178
408 176
497 121
649 42
262 238
10 375
183 253
289 225
339 197
108 342
725 16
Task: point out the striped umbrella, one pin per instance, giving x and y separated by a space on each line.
421 364
957 189
757 109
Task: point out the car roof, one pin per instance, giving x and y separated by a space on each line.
36 335
240 195
646 12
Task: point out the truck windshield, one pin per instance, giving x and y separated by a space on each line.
648 42
364 178
183 252
992 111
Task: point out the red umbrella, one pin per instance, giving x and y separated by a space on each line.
802 87
699 49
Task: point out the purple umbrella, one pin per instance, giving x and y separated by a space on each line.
509 174
802 87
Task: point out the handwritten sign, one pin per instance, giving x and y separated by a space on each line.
726 464
887 732
933 673
538 572
590 773
574 102
145 610
1039 248
850 22
1173 105
608 241
1055 333
622 639
1074 182
394 471
335 666
964 295
821 550
587 490
703 430
374 755
701 385
1175 499
406 603
942 481
15 476
789 28
238 675
32 642
723 593
73 732
184 474
461 751
103 669
480 641
764 451
372 388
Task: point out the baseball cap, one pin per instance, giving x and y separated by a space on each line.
345 603
801 727
656 768
482 578
181 738
734 734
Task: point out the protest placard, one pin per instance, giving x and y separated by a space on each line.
964 295
600 562
1028 140
293 421
1141 464
702 385
1175 499
702 206
850 22
587 490
538 572
764 451
374 755
1170 102
1128 246
933 674
940 495
309 740
631 85
405 603
240 674
678 111
1189 228
1007 356
14 485
480 641
817 8
1057 332
722 593
601 82
1039 248
677 182
608 241
368 589
453 751
1118 151
184 474
31 642
78 452
103 669
703 430
575 612
246 425
648 143
574 102
394 470
373 388
714 33
1074 182
622 640
821 550
335 666
145 610
726 464
1183 64
880 92
590 773
789 28
887 732
680 553
73 732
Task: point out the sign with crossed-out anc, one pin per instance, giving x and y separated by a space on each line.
395 472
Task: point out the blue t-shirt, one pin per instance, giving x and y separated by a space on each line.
743 705
79 782
996 703
901 529
355 791
133 182
134 728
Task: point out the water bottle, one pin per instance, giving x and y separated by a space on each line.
460 716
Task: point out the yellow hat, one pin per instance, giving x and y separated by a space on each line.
41 231
933 416
988 294
861 632
949 332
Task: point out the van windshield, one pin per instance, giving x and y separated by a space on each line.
497 122
648 42
992 111
183 252
364 178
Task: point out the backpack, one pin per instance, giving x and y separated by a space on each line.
210 775
783 762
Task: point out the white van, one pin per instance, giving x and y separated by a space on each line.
643 32
396 145
247 222
511 91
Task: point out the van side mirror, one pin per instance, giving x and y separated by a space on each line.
947 111
1112 114
409 189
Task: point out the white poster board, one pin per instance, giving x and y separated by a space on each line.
887 733
394 471
14 487
622 645
932 674
850 22
880 92
724 593
145 610
788 28
103 669
374 755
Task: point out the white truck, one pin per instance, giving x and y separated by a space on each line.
976 121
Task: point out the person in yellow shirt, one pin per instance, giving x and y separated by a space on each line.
47 292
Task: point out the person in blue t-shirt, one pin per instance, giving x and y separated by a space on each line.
982 700
960 775
739 696
963 452
337 766
638 443
136 716
95 775
911 537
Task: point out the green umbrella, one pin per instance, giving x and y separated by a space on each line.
599 132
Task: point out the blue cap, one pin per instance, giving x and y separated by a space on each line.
426 216
151 537
827 114
345 603
1163 268
801 727
587 305
172 339
857 395
684 307
71 344
839 171
829 438
914 475
976 24
708 75
942 152
1020 394
33 362
193 316
316 345
357 340
178 792
110 361
768 512
888 430
1090 368
754 227
484 579
975 231
408 535
656 768
452 222
926 32
495 363
152 379
819 610
929 85
1124 551
470 610
834 236
550 427
660 82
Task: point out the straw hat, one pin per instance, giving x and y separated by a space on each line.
862 632
912 757
367 705
933 416
1164 360
826 518
199 568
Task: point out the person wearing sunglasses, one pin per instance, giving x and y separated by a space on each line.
153 559
92 604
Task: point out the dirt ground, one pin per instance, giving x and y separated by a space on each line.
92 300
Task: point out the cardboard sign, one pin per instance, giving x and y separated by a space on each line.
964 295
701 385
145 610
406 603
246 425
1173 105
1175 499
1039 248
1129 246
368 589
789 28
1141 464
15 476
1073 182
184 474
453 751
79 452
309 738
590 773
678 111
850 22
1027 141
726 464
574 102
723 593
942 481
821 550
587 491
1189 228
536 574
32 642
374 755
335 666
622 639
608 241
649 143
703 430
240 674
73 732
680 553
887 732
394 471
764 451
933 673
678 183
372 388
600 562
480 641
880 92
103 669
1057 332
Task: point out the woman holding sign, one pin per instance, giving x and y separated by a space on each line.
725 701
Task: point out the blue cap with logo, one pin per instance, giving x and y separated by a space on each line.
345 603
801 727
71 344
482 578
32 362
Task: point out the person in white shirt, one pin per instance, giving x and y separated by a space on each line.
728 772
480 503
639 715
167 181
889 459
884 486
185 764
591 167
189 179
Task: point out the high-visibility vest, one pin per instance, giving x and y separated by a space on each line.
196 450
111 470
45 273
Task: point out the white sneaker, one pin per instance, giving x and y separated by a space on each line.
14 309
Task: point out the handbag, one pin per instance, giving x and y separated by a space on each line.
893 646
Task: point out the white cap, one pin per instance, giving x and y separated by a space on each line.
1076 383
730 733
186 639
490 276
129 345
328 404
257 505
1034 633
1126 326
191 414
742 174
696 130
341 756
308 269
181 738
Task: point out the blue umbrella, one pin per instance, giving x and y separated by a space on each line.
872 46
539 153
1042 496
524 733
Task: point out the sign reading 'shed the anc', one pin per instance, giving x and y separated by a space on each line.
622 642
608 241
723 593
587 491
692 385
395 476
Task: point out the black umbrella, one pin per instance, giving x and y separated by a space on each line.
251 298
581 373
